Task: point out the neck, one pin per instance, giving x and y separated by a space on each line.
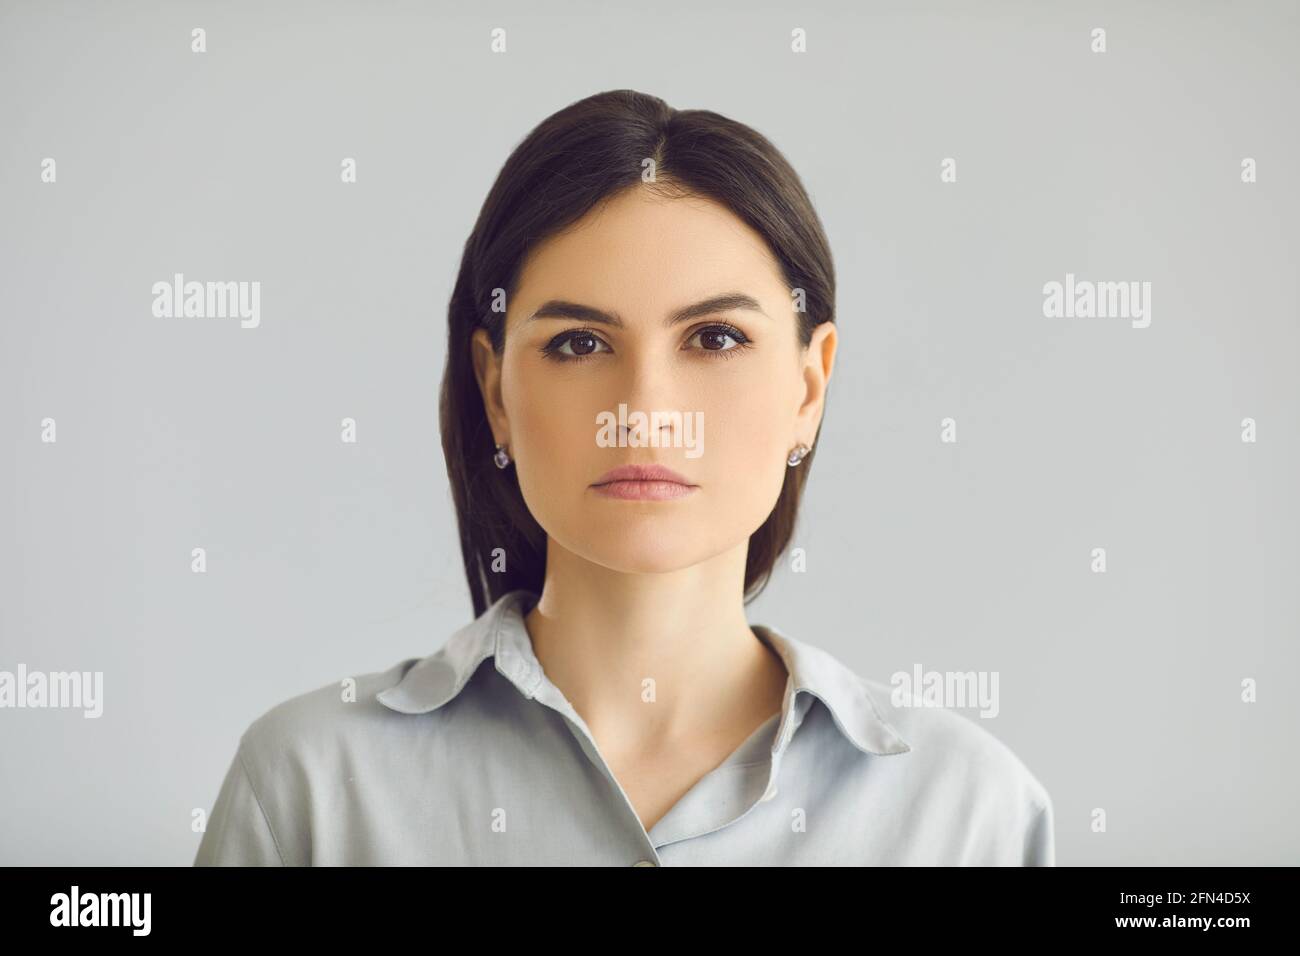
654 661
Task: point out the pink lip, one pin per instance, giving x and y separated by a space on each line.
642 483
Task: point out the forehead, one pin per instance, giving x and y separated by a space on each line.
643 253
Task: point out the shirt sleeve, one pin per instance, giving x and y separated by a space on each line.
1040 840
238 832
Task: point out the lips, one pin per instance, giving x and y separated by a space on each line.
643 483
641 473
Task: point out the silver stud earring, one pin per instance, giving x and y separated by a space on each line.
797 455
502 458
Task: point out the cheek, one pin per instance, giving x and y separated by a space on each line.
552 426
747 424
747 432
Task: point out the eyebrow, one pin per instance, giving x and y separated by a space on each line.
727 302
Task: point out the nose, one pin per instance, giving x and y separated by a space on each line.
650 387
644 428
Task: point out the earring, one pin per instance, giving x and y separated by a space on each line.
797 455
502 458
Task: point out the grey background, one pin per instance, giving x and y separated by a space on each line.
1119 690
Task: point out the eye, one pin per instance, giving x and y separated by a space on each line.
573 346
576 345
713 338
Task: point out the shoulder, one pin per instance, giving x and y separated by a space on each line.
965 753
312 725
963 776
289 760
962 753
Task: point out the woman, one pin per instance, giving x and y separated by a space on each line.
640 341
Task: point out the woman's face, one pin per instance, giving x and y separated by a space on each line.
745 400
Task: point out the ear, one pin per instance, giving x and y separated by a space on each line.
487 370
817 364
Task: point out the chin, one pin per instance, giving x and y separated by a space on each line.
648 551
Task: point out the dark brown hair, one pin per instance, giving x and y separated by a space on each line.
584 154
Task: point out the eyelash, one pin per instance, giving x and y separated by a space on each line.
551 349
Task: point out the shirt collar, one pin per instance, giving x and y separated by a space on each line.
500 633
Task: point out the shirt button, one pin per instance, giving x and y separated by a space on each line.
645 863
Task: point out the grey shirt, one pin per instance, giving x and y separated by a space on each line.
445 760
